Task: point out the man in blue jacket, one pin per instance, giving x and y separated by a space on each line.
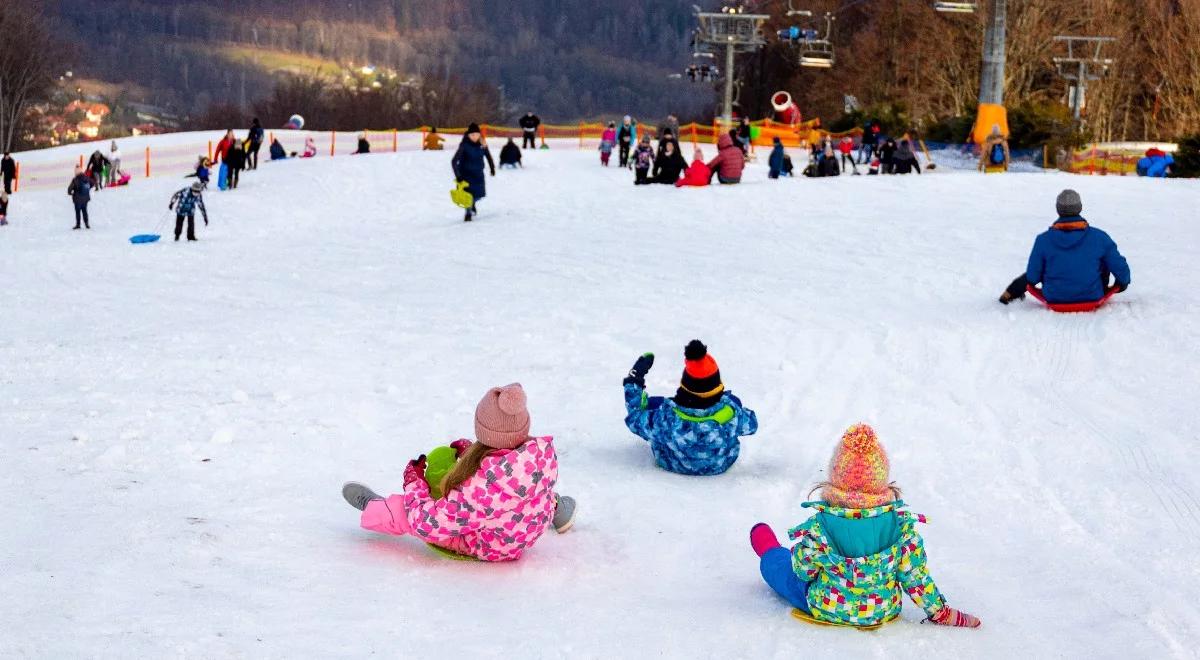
1072 260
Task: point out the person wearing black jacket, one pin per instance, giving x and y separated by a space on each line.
529 128
8 167
96 165
743 134
364 145
904 161
667 137
236 160
669 164
887 156
510 155
468 166
257 137
80 191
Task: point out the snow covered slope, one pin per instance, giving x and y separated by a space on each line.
177 419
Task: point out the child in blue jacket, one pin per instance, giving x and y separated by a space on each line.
696 432
1072 261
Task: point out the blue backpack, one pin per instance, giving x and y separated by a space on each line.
997 154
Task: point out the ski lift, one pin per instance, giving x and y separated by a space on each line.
961 7
814 49
700 70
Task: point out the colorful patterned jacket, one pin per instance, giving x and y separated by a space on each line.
688 441
498 513
863 590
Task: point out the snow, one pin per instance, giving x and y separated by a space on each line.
181 416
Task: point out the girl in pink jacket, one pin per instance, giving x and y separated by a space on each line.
496 501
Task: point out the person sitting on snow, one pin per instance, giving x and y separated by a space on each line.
860 552
277 150
510 155
1072 260
433 141
695 432
364 145
697 173
730 161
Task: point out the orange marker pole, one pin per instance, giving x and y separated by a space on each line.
332 141
147 162
395 140
17 180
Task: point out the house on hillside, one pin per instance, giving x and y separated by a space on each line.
148 129
97 112
89 129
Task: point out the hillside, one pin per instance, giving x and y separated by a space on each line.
567 60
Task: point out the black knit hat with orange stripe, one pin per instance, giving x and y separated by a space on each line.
701 386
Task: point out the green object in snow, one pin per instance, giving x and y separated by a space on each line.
438 464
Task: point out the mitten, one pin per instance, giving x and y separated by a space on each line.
949 616
637 375
460 447
415 470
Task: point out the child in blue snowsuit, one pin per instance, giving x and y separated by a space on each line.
1072 261
696 432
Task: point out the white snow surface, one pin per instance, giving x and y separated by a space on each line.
178 418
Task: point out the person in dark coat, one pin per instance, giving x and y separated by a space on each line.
235 158
257 136
184 203
364 145
887 154
96 165
510 155
870 141
626 134
80 191
3 208
742 135
1073 261
8 168
667 136
775 161
670 164
468 166
529 128
904 161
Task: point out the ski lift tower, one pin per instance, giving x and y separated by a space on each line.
1079 67
734 31
991 78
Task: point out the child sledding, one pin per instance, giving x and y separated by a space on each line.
492 504
695 432
859 552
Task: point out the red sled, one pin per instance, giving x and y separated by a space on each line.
1072 308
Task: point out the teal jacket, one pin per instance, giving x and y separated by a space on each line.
860 560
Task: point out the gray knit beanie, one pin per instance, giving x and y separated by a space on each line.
1069 203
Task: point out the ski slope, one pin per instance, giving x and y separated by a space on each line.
178 418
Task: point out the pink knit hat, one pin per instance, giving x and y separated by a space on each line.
501 420
858 471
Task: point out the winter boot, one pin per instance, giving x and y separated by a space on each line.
564 513
467 217
762 539
358 495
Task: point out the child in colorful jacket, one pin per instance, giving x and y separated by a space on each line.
643 160
607 142
855 556
496 501
696 432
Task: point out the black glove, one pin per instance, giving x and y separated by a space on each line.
1121 286
637 375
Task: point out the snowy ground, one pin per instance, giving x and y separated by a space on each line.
178 419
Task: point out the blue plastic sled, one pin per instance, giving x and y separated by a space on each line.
223 177
144 238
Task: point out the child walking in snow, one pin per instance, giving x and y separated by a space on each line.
184 203
493 504
607 141
696 432
860 550
643 160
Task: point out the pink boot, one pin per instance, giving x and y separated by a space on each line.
762 539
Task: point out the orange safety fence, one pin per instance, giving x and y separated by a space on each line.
1094 160
180 159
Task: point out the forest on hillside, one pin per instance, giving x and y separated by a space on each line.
568 60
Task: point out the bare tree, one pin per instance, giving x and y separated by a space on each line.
28 59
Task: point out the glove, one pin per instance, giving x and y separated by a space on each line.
637 374
493 171
1121 286
460 447
415 470
949 616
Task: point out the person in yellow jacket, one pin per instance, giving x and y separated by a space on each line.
433 141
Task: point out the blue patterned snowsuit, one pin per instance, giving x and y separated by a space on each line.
689 441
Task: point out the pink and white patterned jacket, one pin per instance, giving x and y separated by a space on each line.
498 513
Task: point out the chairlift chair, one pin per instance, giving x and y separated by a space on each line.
961 7
814 49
